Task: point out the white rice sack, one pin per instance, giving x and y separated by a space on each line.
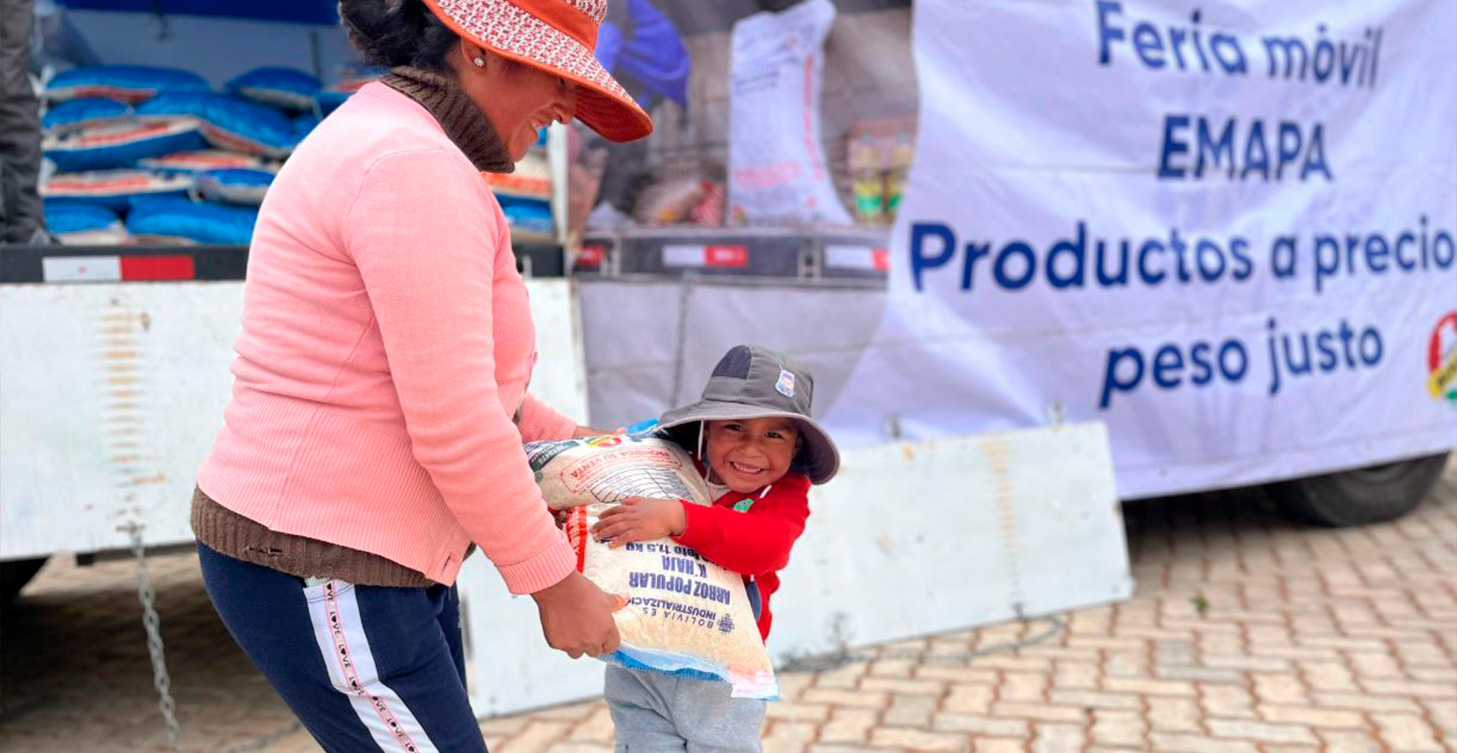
685 616
778 173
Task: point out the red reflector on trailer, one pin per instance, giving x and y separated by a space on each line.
726 256
592 255
174 267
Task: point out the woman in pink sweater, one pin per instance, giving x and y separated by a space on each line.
379 404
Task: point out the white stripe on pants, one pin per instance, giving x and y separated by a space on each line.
339 630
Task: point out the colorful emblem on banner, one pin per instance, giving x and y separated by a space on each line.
1442 360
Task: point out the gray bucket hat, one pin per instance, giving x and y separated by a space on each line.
753 382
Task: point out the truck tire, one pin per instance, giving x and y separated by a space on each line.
1366 495
14 575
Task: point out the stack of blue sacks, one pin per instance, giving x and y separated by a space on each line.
525 195
154 155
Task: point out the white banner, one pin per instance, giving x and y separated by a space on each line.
1224 228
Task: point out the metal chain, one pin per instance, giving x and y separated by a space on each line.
153 625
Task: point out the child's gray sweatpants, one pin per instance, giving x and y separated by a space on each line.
655 713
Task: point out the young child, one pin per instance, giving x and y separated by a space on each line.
759 450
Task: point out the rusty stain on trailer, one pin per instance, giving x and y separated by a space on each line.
998 455
125 318
120 364
156 478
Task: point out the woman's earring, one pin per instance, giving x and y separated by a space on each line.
479 61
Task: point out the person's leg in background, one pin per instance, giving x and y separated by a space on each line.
363 667
22 215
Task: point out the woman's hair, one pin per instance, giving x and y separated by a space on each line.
397 32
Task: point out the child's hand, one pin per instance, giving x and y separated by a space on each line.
640 519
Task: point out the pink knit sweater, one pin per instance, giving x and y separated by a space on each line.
386 345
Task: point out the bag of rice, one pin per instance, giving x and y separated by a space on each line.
234 185
530 220
85 224
348 78
203 160
87 112
121 144
685 616
183 221
303 124
228 121
115 189
777 168
285 88
124 83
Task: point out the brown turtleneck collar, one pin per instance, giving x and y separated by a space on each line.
462 120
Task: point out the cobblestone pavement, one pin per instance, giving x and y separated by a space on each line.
1248 634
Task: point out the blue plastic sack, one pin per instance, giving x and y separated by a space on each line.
122 144
124 83
228 121
181 220
277 87
527 215
303 125
88 112
201 161
347 80
71 217
234 186
84 224
329 101
113 188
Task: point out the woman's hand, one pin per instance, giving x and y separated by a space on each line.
640 519
576 617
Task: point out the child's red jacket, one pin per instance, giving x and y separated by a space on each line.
751 534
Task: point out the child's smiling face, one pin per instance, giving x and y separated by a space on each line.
749 454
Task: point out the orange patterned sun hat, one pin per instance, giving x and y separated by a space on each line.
557 36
